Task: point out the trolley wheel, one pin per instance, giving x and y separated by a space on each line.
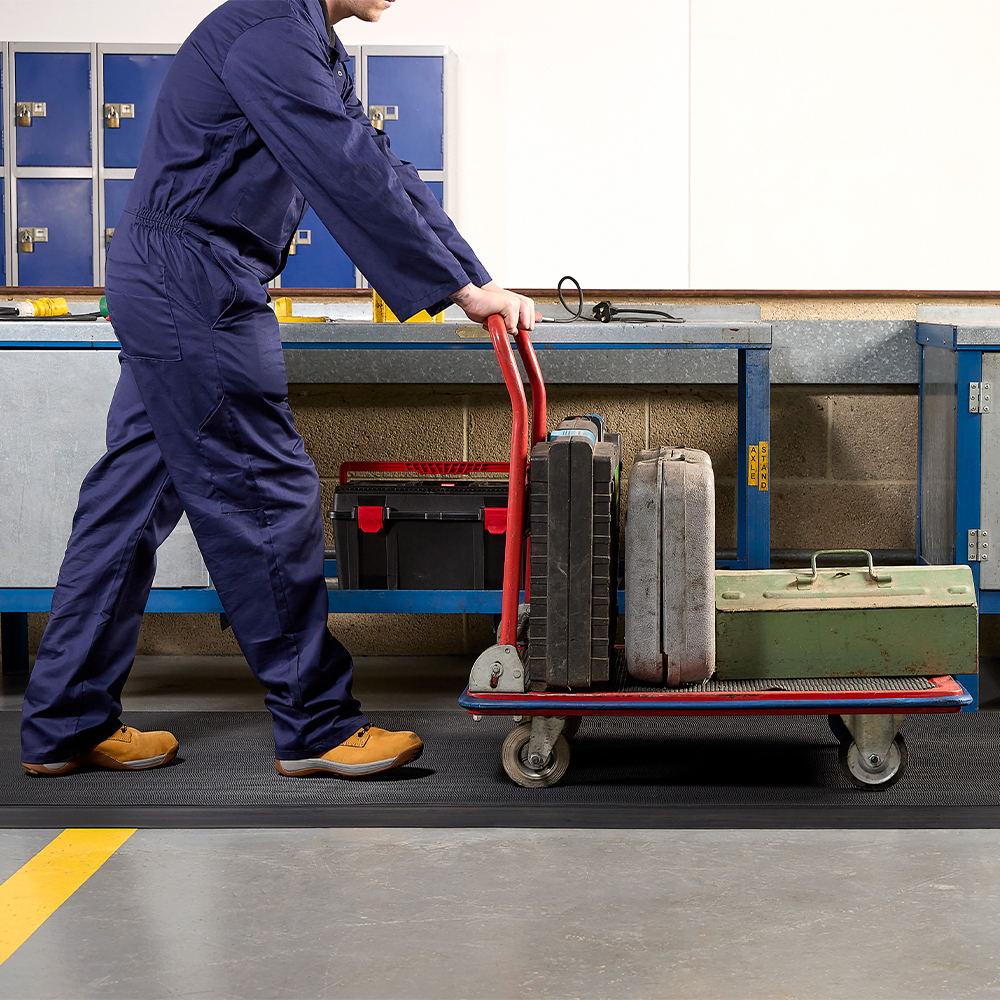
860 772
522 771
572 726
839 729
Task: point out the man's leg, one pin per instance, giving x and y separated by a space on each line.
127 508
206 355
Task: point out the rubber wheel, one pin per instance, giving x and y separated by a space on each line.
839 729
572 726
520 771
874 780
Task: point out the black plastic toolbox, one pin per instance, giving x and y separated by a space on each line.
575 482
437 533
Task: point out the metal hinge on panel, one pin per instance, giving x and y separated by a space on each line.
979 546
26 110
27 237
979 397
114 113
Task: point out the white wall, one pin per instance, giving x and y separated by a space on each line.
554 175
846 144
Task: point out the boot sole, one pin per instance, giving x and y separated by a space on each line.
320 766
103 761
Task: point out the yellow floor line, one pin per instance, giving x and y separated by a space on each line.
33 893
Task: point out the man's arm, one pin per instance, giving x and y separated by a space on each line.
278 75
418 192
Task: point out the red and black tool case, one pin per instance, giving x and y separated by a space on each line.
436 530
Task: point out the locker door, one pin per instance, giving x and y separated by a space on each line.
59 133
318 261
414 85
115 195
134 81
64 208
437 189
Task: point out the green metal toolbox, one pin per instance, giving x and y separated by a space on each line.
846 621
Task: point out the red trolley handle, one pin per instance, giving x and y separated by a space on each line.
519 451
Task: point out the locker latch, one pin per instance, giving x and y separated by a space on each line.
979 397
381 113
26 110
29 236
108 234
114 113
302 237
979 546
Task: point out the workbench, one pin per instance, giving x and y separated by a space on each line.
56 380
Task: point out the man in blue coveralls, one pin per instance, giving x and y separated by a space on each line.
257 117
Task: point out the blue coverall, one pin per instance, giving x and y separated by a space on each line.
257 117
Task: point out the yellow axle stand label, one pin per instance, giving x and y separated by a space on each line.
758 466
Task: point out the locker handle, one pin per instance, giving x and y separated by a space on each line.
27 110
28 236
114 113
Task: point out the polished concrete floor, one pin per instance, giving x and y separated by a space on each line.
505 913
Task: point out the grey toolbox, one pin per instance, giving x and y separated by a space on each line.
574 489
670 567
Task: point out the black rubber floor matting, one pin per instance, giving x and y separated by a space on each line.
687 772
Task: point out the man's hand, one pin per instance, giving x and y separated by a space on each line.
480 303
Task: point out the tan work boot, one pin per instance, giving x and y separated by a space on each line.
127 749
368 751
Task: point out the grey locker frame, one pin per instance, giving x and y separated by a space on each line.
8 151
15 173
113 173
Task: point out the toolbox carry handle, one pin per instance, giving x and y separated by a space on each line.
883 579
422 468
519 450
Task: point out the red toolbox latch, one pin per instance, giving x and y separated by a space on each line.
370 519
496 519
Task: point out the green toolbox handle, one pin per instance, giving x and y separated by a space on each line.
883 581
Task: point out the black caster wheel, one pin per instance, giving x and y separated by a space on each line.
839 729
572 726
874 775
528 773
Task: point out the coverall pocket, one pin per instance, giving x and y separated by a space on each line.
228 461
140 311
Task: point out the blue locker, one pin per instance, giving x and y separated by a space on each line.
135 80
60 80
415 85
437 189
3 230
115 195
65 208
320 263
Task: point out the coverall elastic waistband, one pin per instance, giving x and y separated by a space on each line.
160 220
